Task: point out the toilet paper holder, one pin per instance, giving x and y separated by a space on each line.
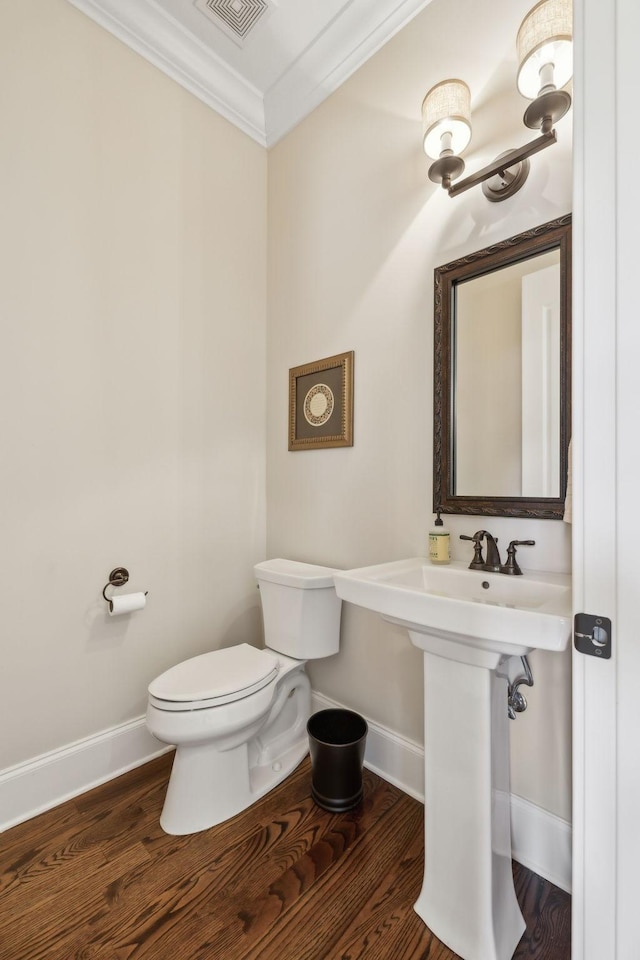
117 578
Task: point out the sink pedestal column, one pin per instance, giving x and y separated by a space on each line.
468 899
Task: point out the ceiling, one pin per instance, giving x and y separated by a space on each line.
262 64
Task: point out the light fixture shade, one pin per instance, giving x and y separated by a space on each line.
544 39
446 109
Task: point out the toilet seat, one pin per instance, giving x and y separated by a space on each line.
213 679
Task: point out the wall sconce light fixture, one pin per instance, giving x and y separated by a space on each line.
544 45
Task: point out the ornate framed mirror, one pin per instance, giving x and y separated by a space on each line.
502 377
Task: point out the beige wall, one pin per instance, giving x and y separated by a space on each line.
132 375
132 368
356 229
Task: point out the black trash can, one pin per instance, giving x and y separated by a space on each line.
337 740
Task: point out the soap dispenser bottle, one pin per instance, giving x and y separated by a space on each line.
439 542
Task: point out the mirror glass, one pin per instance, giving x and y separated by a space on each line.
502 358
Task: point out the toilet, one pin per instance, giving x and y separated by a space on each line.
238 716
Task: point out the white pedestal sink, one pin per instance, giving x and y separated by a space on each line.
467 623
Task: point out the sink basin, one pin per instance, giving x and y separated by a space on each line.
508 615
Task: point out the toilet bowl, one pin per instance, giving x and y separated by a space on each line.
238 716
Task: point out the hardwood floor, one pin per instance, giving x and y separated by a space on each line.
97 879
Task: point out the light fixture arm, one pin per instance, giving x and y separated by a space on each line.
544 45
498 167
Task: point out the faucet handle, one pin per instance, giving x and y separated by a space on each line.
478 560
512 566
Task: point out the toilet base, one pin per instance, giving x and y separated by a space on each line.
198 795
208 785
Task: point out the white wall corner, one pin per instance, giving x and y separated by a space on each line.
159 38
30 788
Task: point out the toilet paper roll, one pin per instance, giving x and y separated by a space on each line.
126 603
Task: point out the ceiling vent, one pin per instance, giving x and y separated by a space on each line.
235 17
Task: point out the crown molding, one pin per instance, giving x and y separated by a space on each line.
345 44
146 28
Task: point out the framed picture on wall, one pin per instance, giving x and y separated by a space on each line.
321 403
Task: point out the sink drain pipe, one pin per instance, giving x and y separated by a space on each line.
516 701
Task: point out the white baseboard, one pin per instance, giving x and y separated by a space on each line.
30 788
539 840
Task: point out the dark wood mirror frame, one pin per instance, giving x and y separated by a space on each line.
548 236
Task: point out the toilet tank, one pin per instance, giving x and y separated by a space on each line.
300 607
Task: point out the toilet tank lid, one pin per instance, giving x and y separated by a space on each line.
232 672
291 573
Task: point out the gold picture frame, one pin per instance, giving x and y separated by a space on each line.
321 403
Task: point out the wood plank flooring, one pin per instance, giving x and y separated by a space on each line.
97 879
